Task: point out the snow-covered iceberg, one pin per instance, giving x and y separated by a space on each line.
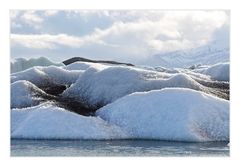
176 114
98 87
218 71
50 122
47 76
21 64
26 94
38 84
137 102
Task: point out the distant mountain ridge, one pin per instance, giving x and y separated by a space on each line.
206 55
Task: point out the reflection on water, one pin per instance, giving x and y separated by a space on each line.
116 148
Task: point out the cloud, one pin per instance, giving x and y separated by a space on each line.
13 14
31 18
172 31
69 22
32 41
48 13
122 35
30 21
13 17
47 41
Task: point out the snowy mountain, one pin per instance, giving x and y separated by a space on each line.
208 55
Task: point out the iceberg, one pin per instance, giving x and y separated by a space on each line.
47 76
218 71
120 102
46 121
26 94
174 114
21 64
98 87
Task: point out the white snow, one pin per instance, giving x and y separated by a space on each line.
208 55
84 66
97 87
218 71
176 114
62 76
21 64
24 94
47 75
49 122
141 103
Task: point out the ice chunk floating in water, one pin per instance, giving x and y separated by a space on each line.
21 64
26 94
43 76
218 71
175 114
50 122
141 104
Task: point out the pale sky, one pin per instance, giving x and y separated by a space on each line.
129 36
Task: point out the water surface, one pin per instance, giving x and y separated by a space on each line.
116 148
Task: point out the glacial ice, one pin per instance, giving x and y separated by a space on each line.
43 76
50 122
97 88
25 94
218 71
136 103
21 64
176 114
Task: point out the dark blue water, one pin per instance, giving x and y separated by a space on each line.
116 148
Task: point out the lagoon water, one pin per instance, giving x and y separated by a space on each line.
116 148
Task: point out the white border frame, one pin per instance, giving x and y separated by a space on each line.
123 4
